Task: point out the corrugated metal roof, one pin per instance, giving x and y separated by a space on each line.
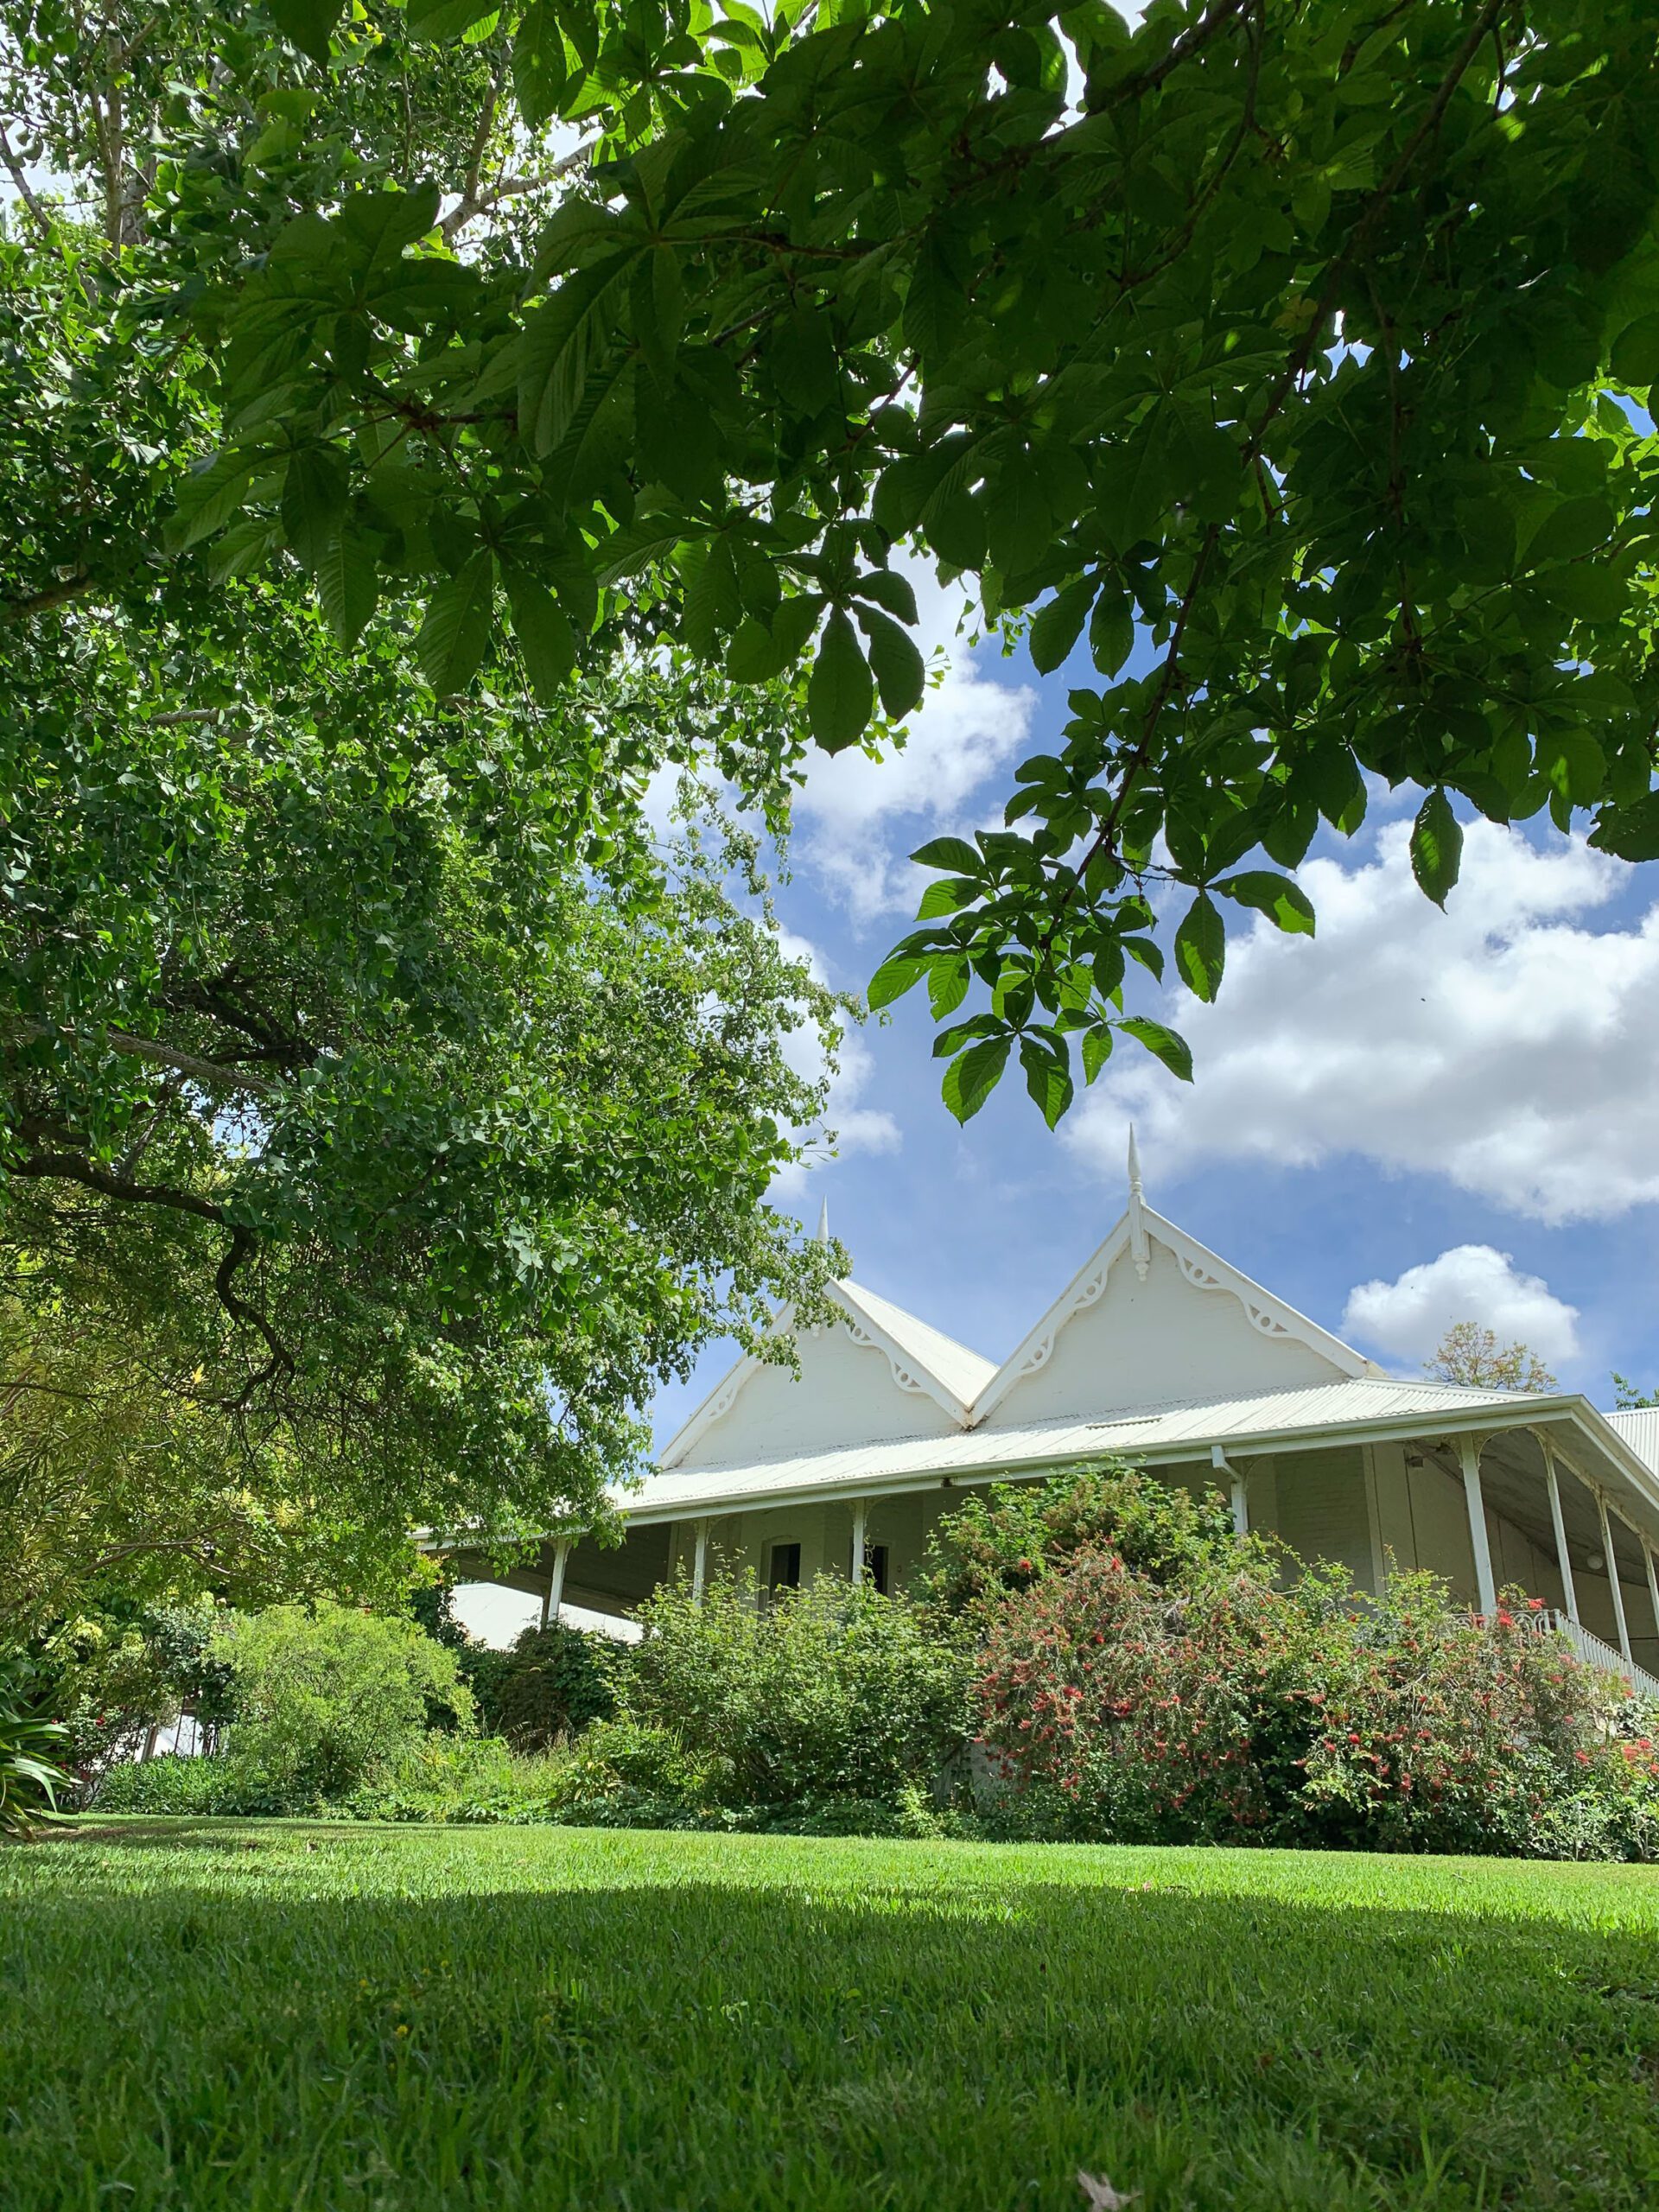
964 1372
1334 1407
1640 1429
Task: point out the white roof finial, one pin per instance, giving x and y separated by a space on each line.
823 1223
1138 1251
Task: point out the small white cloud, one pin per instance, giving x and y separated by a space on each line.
1471 1282
855 1128
857 820
1507 1044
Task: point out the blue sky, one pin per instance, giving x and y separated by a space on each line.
1458 1113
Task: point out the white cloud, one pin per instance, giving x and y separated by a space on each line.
1470 1282
1506 1044
857 820
856 1128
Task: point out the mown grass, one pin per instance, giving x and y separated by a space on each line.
206 2015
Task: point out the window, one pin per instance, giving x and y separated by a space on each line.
784 1567
875 1567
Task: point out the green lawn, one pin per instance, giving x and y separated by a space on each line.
220 2014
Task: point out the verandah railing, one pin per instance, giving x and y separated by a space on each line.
1594 1650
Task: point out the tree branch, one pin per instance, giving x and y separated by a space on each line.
19 610
25 190
469 203
244 1244
75 1167
213 1073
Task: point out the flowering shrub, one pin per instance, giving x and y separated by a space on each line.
1233 1709
1013 1535
1437 1730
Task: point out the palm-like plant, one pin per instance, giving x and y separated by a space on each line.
30 1774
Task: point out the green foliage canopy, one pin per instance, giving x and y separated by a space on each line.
379 1118
1316 342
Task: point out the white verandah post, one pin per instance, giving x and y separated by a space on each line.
1653 1582
1469 1452
1559 1525
1609 1555
700 1564
859 1510
1224 1465
554 1594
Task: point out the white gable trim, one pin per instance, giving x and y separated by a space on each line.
908 1372
1203 1269
911 1374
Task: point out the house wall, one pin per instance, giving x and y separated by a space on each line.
739 1542
1323 1508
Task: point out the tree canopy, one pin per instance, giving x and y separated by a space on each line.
379 1125
1471 1355
1312 342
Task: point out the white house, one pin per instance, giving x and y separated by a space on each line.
1160 1350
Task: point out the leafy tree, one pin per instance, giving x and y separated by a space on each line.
118 1675
378 1123
1315 343
375 1126
1628 1396
123 1486
1473 1356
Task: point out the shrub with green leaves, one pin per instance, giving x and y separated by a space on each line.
328 1700
1012 1534
824 1692
556 1681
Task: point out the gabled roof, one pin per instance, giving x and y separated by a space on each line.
1639 1427
1203 1269
920 1359
963 1373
